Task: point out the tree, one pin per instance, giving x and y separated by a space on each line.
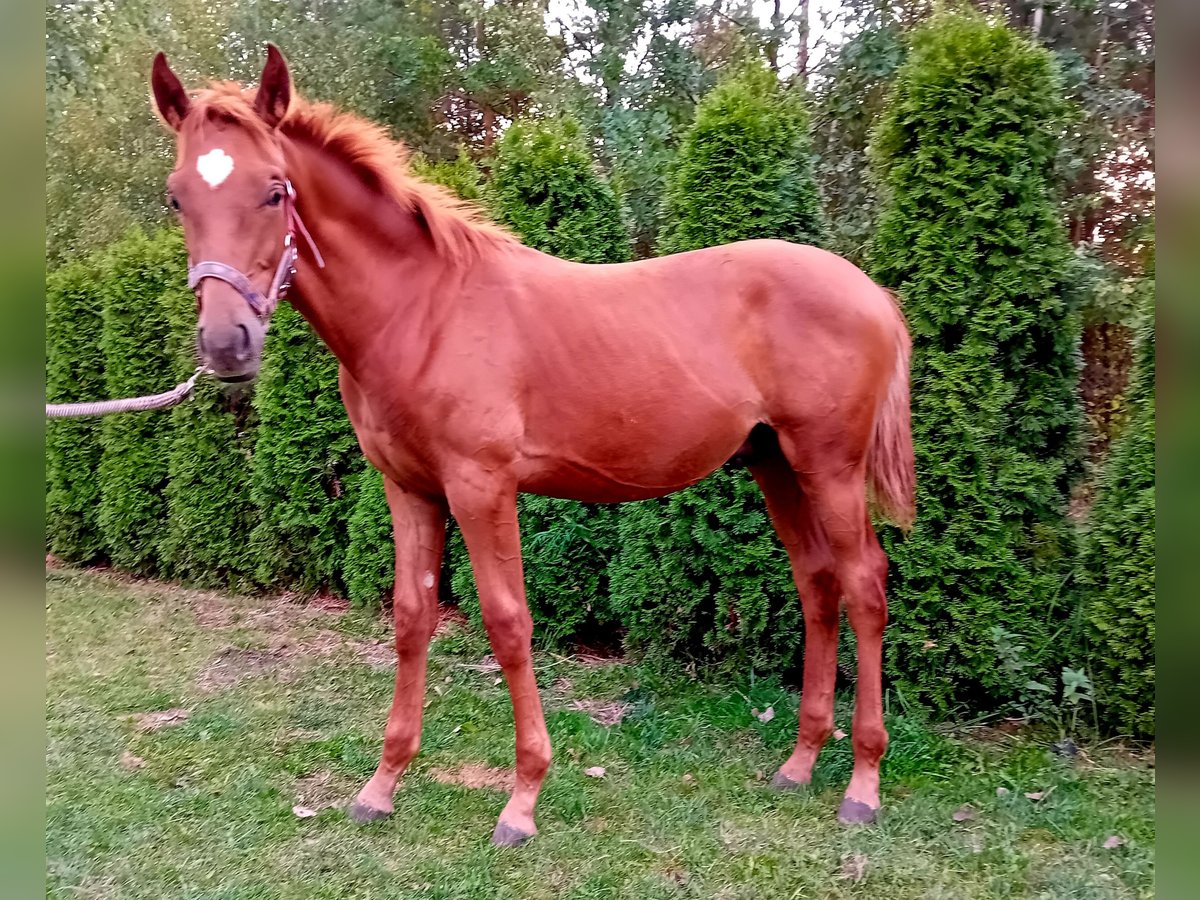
850 98
971 238
744 168
107 156
1117 564
700 573
135 273
74 372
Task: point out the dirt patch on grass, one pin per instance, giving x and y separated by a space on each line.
321 790
376 654
284 656
164 718
234 665
603 712
475 776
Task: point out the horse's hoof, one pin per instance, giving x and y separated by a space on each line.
782 783
855 812
506 835
362 814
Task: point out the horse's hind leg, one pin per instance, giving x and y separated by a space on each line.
486 511
420 532
839 502
813 570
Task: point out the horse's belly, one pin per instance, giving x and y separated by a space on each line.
631 461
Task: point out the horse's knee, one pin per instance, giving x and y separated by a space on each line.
510 631
415 619
816 725
533 753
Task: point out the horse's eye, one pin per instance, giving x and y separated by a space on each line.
172 202
276 198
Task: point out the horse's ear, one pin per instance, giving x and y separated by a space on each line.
274 88
170 99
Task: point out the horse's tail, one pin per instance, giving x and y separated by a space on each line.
893 479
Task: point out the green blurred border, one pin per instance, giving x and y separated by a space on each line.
22 342
1178 495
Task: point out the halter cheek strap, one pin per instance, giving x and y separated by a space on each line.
263 304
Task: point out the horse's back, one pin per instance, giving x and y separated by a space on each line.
644 377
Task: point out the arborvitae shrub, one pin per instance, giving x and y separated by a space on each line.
134 275
970 237
210 510
566 548
369 569
74 372
306 458
701 574
460 174
744 169
1118 564
546 188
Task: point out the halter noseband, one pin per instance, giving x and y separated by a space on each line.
263 305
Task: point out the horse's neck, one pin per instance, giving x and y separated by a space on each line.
379 263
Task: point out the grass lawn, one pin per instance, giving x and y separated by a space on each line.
280 705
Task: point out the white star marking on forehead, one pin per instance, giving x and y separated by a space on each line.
214 166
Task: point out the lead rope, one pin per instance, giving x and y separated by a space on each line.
176 395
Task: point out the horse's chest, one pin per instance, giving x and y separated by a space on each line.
391 447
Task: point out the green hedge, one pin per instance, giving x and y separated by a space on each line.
970 236
1118 563
460 174
74 372
369 568
134 275
701 575
306 459
546 188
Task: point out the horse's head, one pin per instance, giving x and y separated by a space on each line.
229 189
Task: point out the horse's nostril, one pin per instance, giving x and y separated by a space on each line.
200 341
243 352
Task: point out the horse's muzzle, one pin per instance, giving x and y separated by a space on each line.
232 352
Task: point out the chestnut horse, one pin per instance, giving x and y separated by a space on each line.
473 367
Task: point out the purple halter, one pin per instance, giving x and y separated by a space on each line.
263 305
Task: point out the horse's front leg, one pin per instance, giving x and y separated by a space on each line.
486 512
419 525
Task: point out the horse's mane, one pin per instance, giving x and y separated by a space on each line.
459 228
